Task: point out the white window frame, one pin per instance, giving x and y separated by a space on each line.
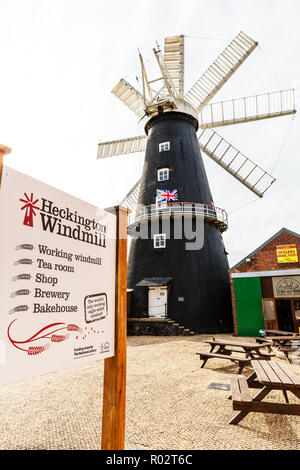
162 171
164 146
162 237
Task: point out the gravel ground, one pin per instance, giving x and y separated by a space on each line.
169 405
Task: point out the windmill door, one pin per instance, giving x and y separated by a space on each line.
157 302
296 309
270 315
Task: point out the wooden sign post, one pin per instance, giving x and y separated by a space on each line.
113 278
3 151
114 385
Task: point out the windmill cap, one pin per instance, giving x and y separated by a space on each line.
181 107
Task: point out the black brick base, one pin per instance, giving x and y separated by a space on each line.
154 327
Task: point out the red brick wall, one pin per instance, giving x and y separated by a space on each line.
266 259
234 314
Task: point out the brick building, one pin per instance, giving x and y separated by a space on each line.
265 286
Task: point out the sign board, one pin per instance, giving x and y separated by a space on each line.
287 286
287 253
57 279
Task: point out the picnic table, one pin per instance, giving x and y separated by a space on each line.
268 376
283 340
283 343
286 344
247 351
279 333
252 350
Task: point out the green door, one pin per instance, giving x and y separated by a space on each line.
248 299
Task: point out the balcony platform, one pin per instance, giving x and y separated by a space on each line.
209 213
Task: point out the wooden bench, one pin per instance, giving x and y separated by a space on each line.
241 396
242 361
271 376
262 355
249 349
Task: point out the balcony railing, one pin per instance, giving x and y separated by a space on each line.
209 212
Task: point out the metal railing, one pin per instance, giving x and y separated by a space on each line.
176 209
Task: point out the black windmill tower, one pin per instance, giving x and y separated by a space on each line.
173 275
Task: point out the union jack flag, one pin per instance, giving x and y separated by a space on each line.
166 195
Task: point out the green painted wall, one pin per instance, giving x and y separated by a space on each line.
248 298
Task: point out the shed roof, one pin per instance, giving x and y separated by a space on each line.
154 281
283 230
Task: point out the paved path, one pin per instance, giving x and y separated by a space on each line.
168 405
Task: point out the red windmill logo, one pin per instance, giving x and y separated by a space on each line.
29 209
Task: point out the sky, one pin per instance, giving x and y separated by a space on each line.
61 58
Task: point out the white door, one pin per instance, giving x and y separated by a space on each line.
157 302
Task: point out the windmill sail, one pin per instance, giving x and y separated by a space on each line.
174 62
131 198
237 164
250 108
130 96
221 70
122 146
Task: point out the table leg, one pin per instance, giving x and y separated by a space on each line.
260 354
285 396
258 397
262 393
286 353
222 350
238 417
296 392
250 354
251 378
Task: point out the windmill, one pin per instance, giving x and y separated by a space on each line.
29 207
189 286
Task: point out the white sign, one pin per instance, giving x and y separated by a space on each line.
57 279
